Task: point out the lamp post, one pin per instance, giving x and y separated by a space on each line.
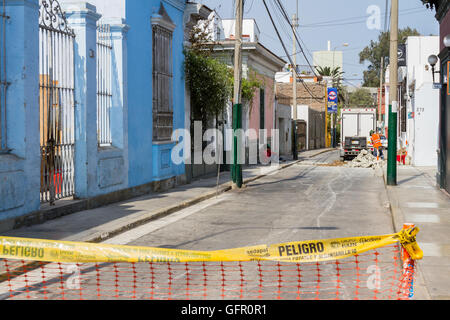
433 60
294 82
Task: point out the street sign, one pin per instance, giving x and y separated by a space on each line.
437 86
332 100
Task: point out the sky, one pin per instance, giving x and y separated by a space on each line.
354 22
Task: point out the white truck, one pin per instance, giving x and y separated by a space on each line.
356 124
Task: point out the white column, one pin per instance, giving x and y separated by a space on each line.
82 18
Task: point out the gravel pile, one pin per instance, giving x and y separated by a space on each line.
366 160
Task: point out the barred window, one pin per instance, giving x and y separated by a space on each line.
104 85
162 32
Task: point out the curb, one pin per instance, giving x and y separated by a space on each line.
226 187
167 211
397 216
398 221
151 216
158 215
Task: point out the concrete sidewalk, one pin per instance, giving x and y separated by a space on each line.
99 224
416 199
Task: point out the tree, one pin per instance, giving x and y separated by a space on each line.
378 49
335 73
211 81
361 98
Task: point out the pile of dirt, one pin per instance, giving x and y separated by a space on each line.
337 163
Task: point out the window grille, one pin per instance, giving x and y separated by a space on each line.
162 77
104 85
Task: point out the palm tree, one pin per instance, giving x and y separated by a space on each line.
336 75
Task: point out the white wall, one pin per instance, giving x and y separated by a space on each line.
422 130
283 77
303 114
284 126
426 126
329 59
249 28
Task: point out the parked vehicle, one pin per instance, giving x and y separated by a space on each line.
356 124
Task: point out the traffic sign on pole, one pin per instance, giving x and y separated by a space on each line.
332 100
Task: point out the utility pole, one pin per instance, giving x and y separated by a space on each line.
333 131
294 82
327 145
381 91
393 97
236 171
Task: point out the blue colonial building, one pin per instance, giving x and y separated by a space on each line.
91 93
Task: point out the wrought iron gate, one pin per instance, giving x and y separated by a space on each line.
56 102
104 84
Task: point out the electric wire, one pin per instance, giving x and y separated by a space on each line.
283 11
340 22
285 49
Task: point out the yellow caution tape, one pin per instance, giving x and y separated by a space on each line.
299 252
408 240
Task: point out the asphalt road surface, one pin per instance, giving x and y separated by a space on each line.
303 202
307 201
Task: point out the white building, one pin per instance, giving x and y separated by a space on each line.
286 77
330 58
418 122
422 101
250 29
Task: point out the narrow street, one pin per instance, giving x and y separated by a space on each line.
302 202
224 150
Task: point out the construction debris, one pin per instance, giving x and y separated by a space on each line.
366 160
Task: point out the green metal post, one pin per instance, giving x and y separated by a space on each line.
237 141
392 149
295 149
234 157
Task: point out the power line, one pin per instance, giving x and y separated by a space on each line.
283 10
285 50
278 33
386 12
281 20
359 17
357 20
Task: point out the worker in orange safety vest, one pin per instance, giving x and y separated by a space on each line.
376 142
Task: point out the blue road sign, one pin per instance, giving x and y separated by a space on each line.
332 100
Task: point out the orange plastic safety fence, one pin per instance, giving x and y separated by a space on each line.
378 274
